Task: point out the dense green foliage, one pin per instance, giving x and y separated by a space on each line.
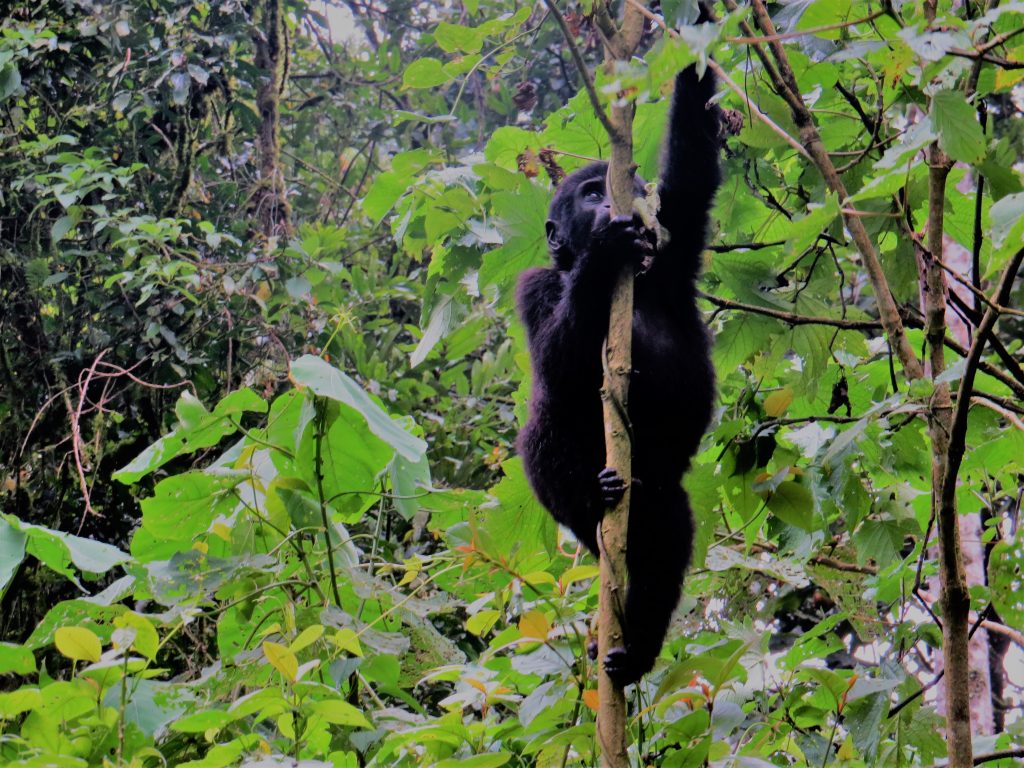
259 500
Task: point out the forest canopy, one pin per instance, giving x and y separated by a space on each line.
261 377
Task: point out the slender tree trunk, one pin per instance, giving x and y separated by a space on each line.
270 36
954 598
621 42
979 650
615 394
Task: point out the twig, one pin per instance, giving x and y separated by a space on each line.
987 58
958 434
803 32
790 317
716 67
76 434
581 65
1002 754
1002 629
786 84
755 110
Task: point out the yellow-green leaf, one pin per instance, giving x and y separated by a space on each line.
480 623
348 640
307 637
146 641
338 712
281 659
78 644
577 573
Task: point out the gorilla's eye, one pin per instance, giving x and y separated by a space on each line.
593 194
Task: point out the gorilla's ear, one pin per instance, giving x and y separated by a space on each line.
554 241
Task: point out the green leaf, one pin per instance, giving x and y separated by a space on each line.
490 760
424 73
805 231
452 37
326 381
201 722
78 644
306 637
383 195
12 552
17 702
1007 218
74 613
16 659
410 482
794 504
443 318
348 641
881 540
197 428
917 137
956 122
1006 580
519 524
146 641
181 508
481 623
58 550
339 712
10 80
303 510
61 227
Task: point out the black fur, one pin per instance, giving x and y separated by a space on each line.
565 311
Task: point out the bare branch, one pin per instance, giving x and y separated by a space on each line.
581 65
785 82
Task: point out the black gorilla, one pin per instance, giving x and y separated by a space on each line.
565 311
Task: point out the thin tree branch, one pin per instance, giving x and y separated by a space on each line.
756 111
791 318
958 433
804 32
581 66
716 67
987 58
785 82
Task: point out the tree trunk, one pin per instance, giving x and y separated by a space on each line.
269 200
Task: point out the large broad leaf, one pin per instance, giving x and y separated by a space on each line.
181 509
519 524
881 540
327 381
443 318
75 613
78 644
12 551
197 428
150 704
1008 221
58 550
956 122
489 760
452 37
804 232
339 712
424 73
410 481
351 456
10 80
794 504
1006 576
16 659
